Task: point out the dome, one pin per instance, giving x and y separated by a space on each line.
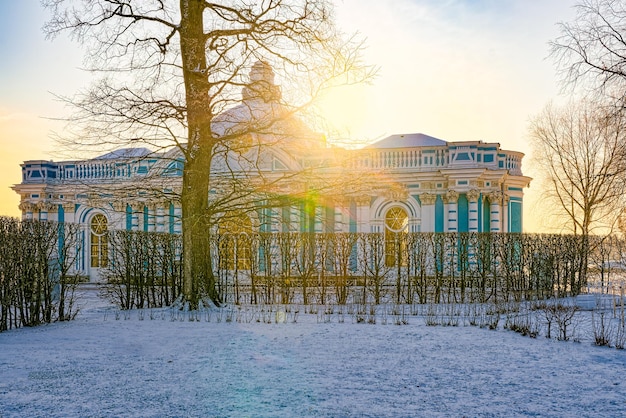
125 153
408 141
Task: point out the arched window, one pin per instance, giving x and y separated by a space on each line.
234 236
396 227
99 242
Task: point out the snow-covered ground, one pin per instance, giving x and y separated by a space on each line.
100 366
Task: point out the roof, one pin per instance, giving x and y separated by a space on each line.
408 141
125 153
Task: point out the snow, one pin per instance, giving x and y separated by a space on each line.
106 363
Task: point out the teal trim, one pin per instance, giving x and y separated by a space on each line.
463 213
311 216
352 228
129 218
352 224
439 214
81 256
516 199
286 218
61 221
486 216
266 218
480 208
172 218
515 217
517 189
146 217
330 219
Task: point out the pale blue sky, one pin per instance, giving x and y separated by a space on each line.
454 69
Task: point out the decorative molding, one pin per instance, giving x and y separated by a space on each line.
473 195
428 198
451 196
496 197
119 206
27 207
363 200
137 206
397 193
46 206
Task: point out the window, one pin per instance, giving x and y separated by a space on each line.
99 241
234 237
396 227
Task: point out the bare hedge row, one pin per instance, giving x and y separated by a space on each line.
35 281
340 268
37 261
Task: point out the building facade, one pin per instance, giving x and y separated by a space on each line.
408 182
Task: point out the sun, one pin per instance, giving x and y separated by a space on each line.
345 110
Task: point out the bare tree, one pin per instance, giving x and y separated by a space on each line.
173 70
591 50
582 152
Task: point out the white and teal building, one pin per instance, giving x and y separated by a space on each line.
406 182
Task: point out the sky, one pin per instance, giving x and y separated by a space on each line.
458 70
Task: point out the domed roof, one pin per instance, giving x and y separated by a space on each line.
125 153
408 141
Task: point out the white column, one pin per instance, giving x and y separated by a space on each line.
428 211
472 197
340 212
178 220
69 213
136 208
151 217
27 210
318 221
452 210
505 213
160 218
44 208
495 200
363 214
119 220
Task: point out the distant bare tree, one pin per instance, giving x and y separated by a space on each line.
582 152
591 50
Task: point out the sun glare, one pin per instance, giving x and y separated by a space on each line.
345 111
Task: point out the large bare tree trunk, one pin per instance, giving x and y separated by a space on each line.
197 273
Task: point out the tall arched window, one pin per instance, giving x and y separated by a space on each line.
99 242
235 247
396 227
